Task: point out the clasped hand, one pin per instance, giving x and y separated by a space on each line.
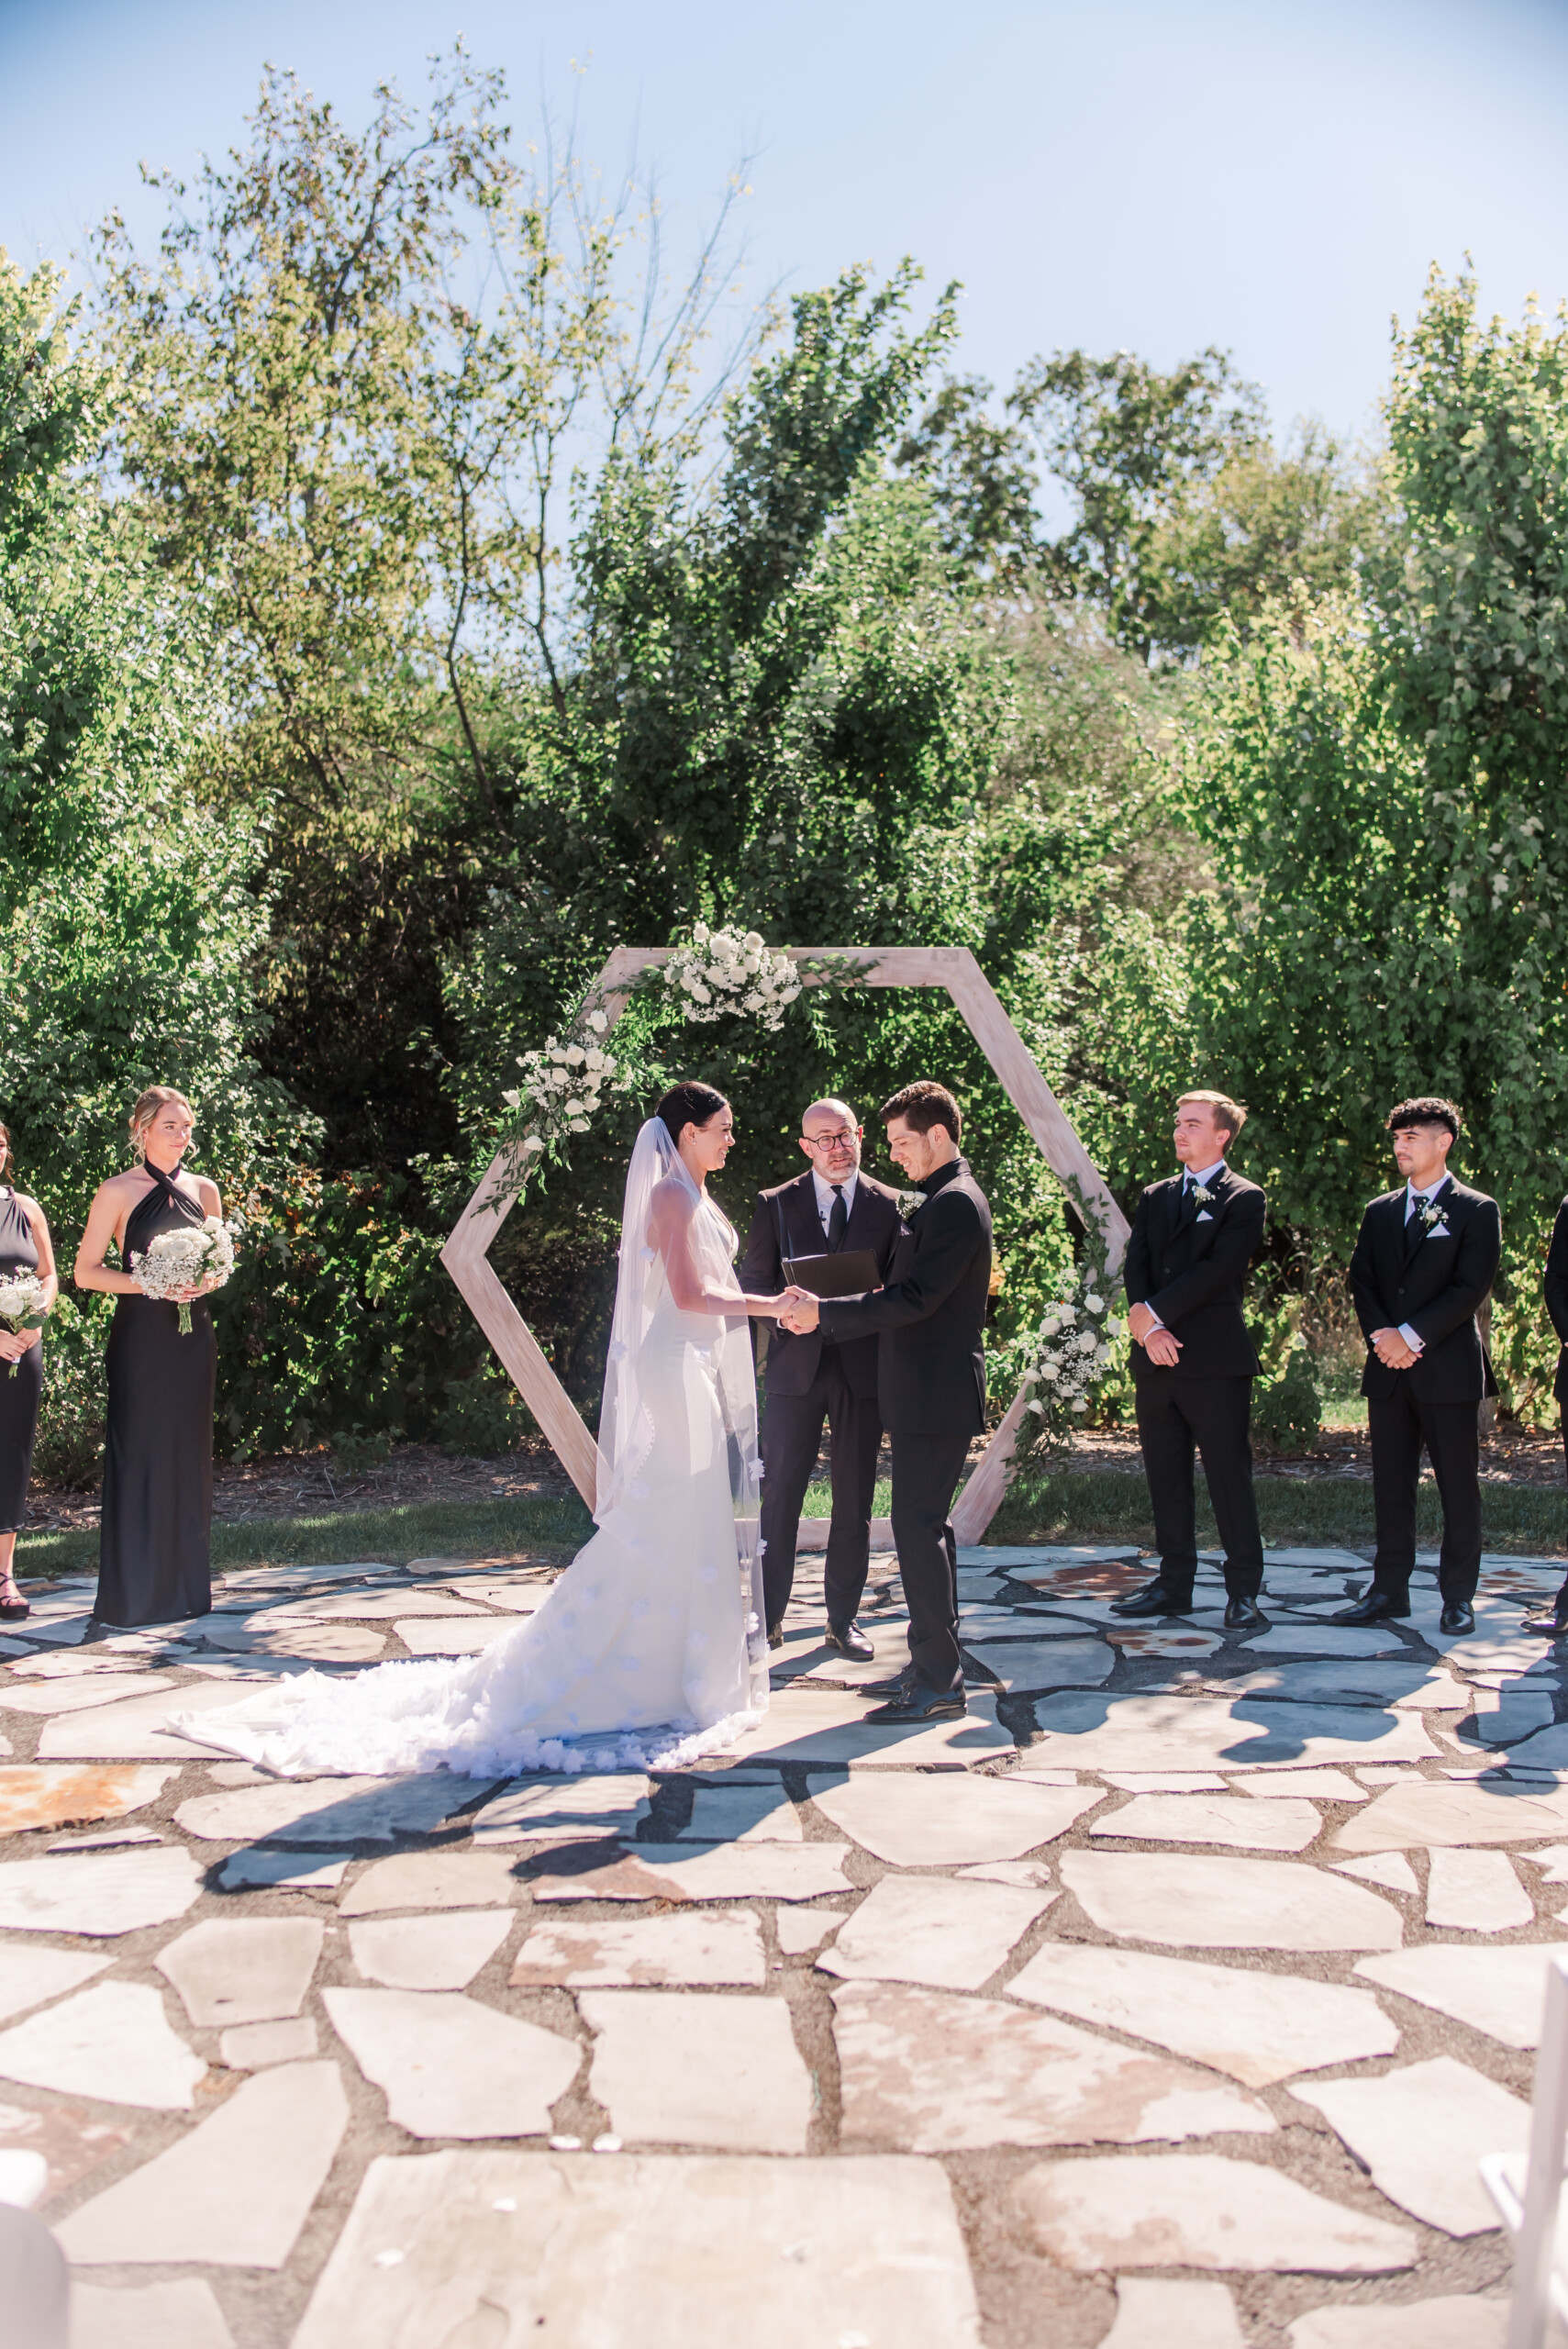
1158 1344
800 1311
1392 1350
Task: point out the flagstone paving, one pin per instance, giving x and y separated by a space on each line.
1183 1956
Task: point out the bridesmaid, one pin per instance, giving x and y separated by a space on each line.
154 1548
24 1248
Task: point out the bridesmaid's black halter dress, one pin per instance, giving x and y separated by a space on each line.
18 1396
154 1548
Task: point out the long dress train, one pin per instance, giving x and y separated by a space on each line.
650 1648
155 1541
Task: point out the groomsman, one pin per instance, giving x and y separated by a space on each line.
1192 1362
810 1378
1425 1261
1556 1622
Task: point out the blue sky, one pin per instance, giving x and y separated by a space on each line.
1140 173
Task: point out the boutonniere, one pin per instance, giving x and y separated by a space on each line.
910 1203
1202 1197
1429 1213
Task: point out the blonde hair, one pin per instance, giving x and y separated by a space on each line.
1229 1116
144 1115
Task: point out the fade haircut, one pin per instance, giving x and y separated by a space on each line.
1426 1110
923 1106
1228 1115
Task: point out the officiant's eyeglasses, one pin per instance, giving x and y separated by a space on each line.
832 1140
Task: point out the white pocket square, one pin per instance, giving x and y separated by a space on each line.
1440 1231
1203 1216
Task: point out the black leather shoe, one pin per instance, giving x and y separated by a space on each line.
848 1639
776 1635
1457 1619
898 1686
1155 1599
918 1704
1244 1614
1375 1607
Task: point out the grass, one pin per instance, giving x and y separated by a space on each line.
1328 1511
388 1536
1532 1519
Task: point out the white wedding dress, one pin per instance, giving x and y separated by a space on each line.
648 1649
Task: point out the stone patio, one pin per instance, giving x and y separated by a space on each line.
1168 2001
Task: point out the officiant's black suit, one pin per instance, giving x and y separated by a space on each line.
1401 1272
929 1320
1556 1288
810 1379
1188 1261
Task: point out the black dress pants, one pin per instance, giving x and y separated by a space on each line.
1174 1415
792 1434
926 1470
1399 1424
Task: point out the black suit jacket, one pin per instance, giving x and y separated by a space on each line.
1557 1295
1193 1274
931 1314
1401 1272
873 1223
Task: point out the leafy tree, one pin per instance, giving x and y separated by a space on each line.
1380 786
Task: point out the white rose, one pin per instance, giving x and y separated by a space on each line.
790 992
599 1021
1051 1374
579 1125
1094 1305
559 1054
753 1001
1033 1406
575 1055
534 1141
1113 1327
571 1109
1078 1404
592 1058
754 942
512 1098
699 932
700 993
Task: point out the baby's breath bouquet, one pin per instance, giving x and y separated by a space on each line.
719 973
183 1259
22 1305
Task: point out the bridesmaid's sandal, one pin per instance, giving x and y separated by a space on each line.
14 1607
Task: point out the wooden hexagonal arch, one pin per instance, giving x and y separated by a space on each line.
466 1254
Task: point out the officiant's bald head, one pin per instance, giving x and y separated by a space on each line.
830 1137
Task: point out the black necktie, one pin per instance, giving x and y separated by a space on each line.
837 1221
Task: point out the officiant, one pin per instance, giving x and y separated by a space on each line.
833 1209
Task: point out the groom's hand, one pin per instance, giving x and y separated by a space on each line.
800 1311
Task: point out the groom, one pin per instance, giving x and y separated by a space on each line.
928 1321
809 1377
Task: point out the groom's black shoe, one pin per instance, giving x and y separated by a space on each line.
917 1703
1457 1619
899 1685
776 1635
848 1639
1243 1614
1375 1606
1156 1598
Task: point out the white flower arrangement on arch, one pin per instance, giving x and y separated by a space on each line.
1074 1351
720 974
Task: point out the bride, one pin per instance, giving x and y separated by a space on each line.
650 1649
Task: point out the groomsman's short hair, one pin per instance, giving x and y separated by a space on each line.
1228 1115
923 1106
1426 1110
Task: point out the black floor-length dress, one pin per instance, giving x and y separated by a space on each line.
155 1543
19 1396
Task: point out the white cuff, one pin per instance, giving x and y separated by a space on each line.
1417 1345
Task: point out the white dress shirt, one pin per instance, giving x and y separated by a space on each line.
1191 1178
1412 1200
825 1197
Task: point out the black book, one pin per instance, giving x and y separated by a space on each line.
851 1273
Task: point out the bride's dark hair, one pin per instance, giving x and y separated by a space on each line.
688 1105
